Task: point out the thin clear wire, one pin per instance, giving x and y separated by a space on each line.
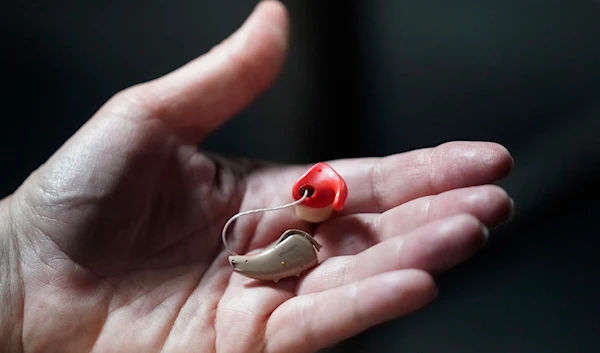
232 219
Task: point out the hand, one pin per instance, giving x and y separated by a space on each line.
114 244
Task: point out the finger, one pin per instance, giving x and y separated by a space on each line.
434 247
198 97
379 184
376 185
354 233
311 322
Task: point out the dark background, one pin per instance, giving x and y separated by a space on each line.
399 75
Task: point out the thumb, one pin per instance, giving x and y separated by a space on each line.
117 158
201 95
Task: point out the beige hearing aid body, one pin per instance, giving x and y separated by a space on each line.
291 255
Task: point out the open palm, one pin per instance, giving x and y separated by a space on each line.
118 234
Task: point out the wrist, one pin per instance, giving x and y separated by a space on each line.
11 293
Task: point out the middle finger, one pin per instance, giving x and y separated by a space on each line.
352 234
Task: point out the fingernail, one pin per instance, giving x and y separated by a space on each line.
486 234
512 209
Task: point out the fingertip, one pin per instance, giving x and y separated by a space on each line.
511 214
198 97
503 158
276 6
505 212
272 13
486 234
466 232
468 163
493 152
494 204
460 223
423 284
506 208
261 41
495 157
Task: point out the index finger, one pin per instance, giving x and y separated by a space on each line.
378 184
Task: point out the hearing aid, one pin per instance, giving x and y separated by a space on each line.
292 254
318 193
327 193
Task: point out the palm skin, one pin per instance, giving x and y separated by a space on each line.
115 241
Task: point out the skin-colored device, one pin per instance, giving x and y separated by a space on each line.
291 255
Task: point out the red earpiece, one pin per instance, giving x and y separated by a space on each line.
326 190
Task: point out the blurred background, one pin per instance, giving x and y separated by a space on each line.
397 75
